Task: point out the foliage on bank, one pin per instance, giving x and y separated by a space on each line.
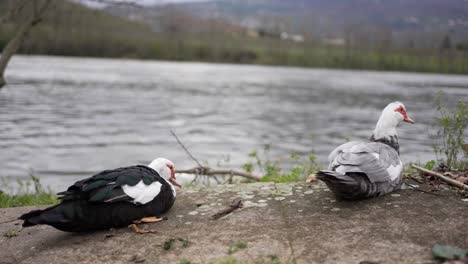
74 30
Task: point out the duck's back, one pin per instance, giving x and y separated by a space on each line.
359 170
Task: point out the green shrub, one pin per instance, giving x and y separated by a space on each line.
272 170
451 124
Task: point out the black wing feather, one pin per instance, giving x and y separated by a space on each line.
106 185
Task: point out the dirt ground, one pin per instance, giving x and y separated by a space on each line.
279 223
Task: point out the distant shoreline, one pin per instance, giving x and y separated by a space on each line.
242 63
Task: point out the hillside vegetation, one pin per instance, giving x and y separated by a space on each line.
70 29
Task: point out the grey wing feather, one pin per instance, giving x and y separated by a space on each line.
340 149
373 159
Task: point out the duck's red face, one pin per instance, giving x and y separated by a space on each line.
401 109
172 179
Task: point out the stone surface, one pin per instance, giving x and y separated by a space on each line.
280 223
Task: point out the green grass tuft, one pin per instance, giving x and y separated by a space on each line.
300 168
236 246
39 196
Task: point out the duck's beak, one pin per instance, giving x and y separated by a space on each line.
172 179
407 119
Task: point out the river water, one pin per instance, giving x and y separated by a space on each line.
63 119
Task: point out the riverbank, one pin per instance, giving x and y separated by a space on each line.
245 51
280 223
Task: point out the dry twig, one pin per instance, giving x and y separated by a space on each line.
420 190
9 221
236 204
186 150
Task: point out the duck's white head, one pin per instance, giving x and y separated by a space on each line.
391 117
165 168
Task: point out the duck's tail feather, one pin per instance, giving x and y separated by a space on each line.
32 218
39 217
344 186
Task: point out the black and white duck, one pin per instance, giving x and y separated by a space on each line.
111 199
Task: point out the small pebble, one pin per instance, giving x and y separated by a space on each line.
262 204
188 223
300 211
396 205
395 195
279 198
193 213
465 200
335 209
262 201
309 192
292 201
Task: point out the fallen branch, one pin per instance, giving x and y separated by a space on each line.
209 171
201 170
442 177
236 204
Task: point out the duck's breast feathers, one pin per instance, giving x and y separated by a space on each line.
378 161
136 184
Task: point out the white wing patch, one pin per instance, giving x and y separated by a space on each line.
395 171
376 155
142 193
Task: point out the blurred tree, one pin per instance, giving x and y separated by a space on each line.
24 14
446 43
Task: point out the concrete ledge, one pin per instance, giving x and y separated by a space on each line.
289 223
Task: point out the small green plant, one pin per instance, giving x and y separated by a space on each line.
236 246
170 243
10 234
25 197
228 260
430 165
449 137
272 170
274 259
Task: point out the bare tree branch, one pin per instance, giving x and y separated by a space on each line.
22 31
